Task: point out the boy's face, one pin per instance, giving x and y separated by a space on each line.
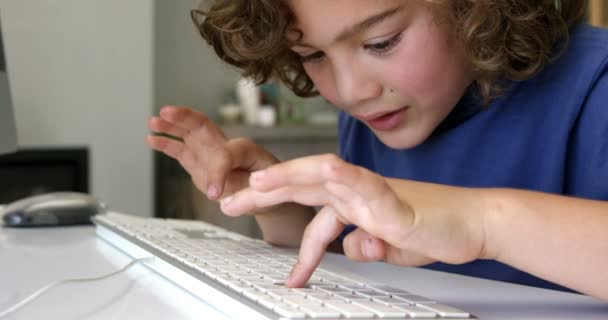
393 64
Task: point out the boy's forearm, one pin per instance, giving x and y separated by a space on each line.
284 225
561 239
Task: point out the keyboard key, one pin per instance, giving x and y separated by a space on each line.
338 280
416 312
288 311
300 301
350 310
268 302
351 296
317 294
388 289
264 286
305 291
371 293
333 290
320 311
444 311
315 285
253 294
353 287
389 300
412 298
381 310
329 300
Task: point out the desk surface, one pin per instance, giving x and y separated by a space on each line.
32 258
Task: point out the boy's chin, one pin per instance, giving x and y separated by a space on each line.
401 139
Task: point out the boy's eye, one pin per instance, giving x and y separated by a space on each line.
384 46
379 48
312 58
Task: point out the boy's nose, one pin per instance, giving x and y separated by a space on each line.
354 85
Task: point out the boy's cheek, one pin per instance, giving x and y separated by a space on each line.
330 94
325 85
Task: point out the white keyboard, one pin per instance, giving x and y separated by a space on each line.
243 277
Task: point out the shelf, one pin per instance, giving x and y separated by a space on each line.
280 133
597 13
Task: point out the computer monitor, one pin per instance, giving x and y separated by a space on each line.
8 130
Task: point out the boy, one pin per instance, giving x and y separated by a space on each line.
412 79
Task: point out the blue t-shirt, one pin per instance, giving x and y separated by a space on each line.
549 133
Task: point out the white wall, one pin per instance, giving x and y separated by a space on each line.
82 74
187 70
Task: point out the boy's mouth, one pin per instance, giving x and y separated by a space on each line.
386 120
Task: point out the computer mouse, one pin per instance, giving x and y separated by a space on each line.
52 209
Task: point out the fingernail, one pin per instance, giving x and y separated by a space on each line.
212 192
258 175
226 200
366 248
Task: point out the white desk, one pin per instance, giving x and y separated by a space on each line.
32 258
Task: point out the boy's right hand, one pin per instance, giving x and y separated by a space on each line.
218 166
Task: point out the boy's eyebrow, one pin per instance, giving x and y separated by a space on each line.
361 26
366 24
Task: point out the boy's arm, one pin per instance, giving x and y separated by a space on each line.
560 239
285 224
563 239
220 166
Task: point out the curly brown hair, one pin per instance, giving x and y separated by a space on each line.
503 39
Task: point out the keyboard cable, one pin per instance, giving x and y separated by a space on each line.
42 290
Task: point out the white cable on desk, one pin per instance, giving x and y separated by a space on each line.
40 291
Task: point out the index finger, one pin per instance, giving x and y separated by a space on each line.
320 232
301 171
189 119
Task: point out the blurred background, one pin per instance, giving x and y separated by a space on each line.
87 74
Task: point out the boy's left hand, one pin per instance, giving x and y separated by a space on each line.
402 222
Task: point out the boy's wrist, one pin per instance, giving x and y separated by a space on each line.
496 204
